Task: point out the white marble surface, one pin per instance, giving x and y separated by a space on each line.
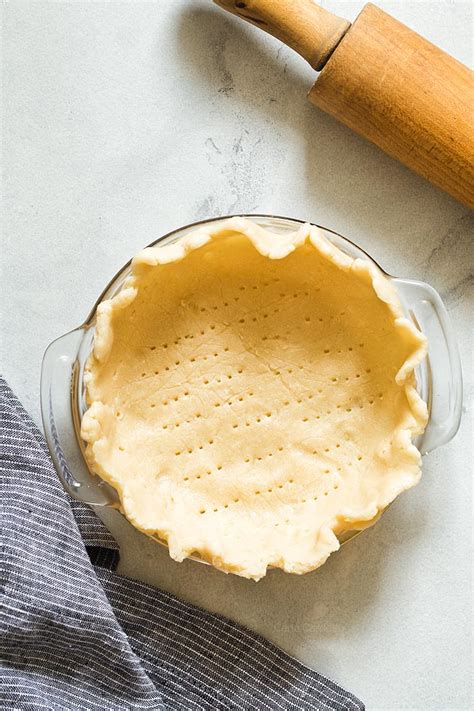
123 120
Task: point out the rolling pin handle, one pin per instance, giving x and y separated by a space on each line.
301 24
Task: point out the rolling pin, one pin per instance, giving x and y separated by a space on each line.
385 82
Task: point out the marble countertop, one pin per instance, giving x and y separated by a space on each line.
124 120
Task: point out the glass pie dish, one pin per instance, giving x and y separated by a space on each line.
63 402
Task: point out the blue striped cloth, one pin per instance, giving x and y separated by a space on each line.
75 635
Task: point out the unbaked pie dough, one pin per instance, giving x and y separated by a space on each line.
252 396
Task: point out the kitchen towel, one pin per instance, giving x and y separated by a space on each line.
75 635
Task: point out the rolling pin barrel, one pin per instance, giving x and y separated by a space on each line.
385 82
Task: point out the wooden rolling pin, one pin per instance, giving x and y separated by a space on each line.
385 82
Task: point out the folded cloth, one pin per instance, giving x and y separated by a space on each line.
75 635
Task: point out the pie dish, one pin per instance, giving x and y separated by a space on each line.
251 396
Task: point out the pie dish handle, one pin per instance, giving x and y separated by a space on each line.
439 377
61 377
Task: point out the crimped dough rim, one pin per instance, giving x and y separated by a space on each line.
273 247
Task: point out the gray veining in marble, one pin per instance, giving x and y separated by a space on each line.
123 120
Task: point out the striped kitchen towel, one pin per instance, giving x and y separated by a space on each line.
75 635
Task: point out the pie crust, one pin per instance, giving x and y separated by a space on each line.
252 397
